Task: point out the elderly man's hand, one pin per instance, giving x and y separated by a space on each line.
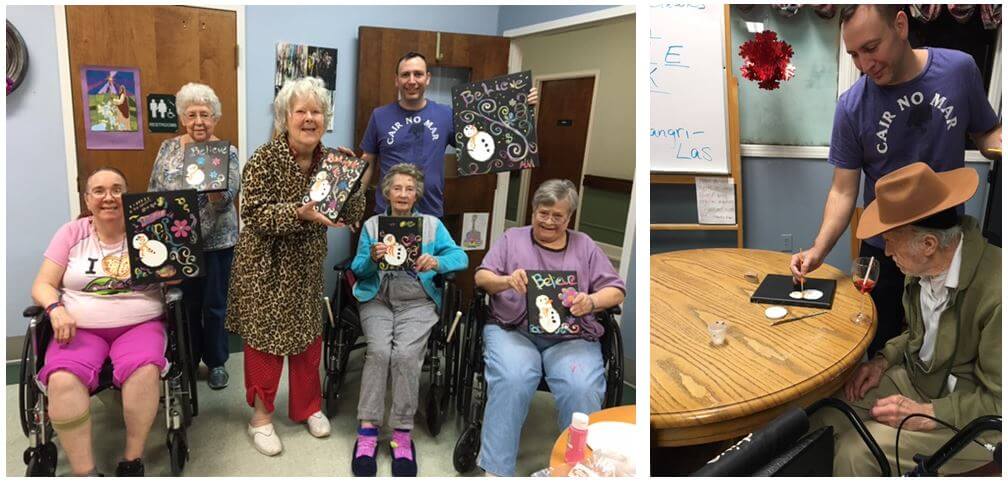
893 409
518 280
426 262
867 376
582 304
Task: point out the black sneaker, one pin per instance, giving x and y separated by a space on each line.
218 378
403 467
130 468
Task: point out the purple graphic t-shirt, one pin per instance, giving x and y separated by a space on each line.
879 129
419 137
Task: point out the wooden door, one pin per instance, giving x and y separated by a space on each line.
562 132
170 46
485 56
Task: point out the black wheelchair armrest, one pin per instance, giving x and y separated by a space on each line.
32 311
441 279
343 265
172 295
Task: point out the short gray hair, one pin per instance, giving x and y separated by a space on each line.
197 94
946 237
553 191
406 170
300 88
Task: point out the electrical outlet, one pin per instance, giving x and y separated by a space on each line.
788 242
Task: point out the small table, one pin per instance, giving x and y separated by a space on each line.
625 413
702 393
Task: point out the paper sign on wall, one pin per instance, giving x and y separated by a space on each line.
715 200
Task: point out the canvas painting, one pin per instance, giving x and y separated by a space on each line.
495 128
112 119
206 166
402 236
298 60
163 236
474 230
337 178
550 296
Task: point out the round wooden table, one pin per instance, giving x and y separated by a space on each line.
702 393
625 413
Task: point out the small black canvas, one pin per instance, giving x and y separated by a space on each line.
205 166
336 179
549 297
402 235
495 128
163 236
774 289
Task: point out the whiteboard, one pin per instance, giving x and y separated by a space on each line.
689 124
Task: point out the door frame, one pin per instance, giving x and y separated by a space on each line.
66 95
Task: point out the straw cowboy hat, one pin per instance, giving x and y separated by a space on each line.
912 193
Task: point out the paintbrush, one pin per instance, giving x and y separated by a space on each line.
782 321
801 281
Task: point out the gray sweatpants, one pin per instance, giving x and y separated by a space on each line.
396 324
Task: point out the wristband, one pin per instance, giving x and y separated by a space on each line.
590 299
49 308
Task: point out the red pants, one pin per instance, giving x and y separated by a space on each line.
262 376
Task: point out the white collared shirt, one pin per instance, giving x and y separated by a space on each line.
934 298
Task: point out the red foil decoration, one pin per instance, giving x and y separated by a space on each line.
766 60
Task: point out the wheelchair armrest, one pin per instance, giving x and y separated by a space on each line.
32 311
441 279
343 265
172 295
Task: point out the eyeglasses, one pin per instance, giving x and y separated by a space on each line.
548 216
195 116
101 192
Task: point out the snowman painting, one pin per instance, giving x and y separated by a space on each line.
395 254
153 253
320 188
549 319
194 175
480 145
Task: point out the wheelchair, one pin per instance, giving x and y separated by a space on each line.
178 389
342 334
470 389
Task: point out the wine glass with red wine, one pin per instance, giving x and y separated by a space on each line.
865 273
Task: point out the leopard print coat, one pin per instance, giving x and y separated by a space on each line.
275 294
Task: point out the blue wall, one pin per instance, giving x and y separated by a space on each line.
514 16
37 202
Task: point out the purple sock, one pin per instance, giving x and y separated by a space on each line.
402 444
367 441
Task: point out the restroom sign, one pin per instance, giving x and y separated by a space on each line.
163 118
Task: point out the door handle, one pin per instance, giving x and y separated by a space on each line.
438 55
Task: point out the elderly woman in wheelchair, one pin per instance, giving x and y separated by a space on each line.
83 285
515 357
398 308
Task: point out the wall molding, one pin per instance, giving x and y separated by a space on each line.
66 102
571 21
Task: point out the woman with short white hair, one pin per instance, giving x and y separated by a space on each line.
276 285
199 110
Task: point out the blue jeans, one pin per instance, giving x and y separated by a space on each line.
515 362
206 305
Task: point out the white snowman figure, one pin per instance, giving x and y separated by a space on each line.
153 253
549 318
396 253
480 145
320 188
194 175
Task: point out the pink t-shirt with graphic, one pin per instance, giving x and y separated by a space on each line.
91 295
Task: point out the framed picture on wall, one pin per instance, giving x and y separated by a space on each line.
295 61
112 120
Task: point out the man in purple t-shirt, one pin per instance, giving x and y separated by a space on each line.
413 130
910 105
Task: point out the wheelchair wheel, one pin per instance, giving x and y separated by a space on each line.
178 451
41 461
466 449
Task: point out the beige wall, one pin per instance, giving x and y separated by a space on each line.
609 48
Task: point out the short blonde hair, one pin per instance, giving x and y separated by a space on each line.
295 89
197 94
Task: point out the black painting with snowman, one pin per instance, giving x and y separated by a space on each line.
205 166
402 238
550 295
336 178
163 236
495 125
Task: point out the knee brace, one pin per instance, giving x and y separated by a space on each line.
72 424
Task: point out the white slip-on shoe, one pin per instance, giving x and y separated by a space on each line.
265 439
318 424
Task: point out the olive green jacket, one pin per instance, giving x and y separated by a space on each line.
969 336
